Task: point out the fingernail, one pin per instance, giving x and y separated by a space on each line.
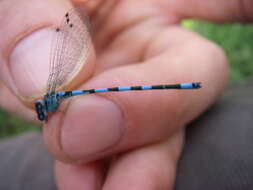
29 63
91 125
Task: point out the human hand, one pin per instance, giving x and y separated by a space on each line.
137 42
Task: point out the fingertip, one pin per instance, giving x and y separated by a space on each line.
151 167
25 42
29 65
77 177
27 47
91 125
87 128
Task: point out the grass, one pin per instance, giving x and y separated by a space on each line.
11 125
235 39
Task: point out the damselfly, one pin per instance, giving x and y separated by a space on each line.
69 50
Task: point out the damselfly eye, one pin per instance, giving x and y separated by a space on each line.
41 117
40 110
39 106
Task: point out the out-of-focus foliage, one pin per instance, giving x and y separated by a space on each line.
235 39
11 125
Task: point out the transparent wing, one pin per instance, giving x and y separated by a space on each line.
70 49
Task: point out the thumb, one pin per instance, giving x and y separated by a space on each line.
26 45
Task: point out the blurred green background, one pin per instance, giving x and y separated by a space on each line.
235 39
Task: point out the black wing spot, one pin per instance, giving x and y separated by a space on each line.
67 20
57 29
67 15
71 25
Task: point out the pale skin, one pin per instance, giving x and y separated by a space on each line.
126 140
